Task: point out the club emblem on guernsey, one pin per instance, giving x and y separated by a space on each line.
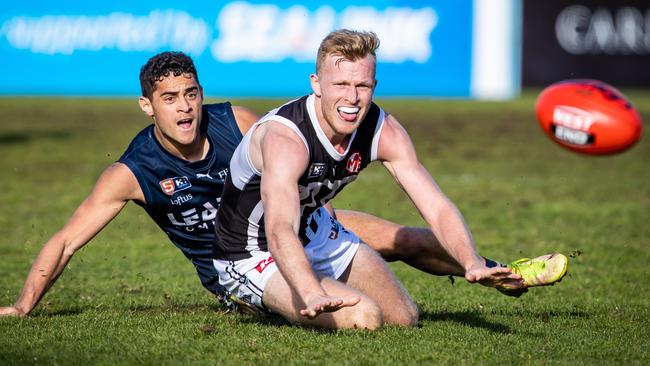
354 163
172 185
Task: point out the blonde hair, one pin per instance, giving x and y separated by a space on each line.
352 45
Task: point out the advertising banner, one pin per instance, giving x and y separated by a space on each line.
599 39
250 48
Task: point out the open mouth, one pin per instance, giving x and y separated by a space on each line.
185 123
348 114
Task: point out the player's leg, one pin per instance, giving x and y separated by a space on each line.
417 247
281 299
370 274
338 253
256 286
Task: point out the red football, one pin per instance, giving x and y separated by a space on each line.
588 116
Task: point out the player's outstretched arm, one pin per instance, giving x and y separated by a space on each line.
113 189
244 117
398 155
284 158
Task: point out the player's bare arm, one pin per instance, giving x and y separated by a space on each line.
283 157
415 246
398 155
114 188
245 118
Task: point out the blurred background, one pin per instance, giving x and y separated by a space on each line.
485 49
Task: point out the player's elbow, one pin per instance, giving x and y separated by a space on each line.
444 210
63 243
276 234
278 228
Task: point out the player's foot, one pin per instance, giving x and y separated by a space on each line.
544 270
234 304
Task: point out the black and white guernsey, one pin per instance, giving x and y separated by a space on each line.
240 219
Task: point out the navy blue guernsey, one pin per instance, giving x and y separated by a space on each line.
182 197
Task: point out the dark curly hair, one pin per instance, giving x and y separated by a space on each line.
161 66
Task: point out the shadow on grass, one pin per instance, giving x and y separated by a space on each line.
46 313
21 138
272 320
536 313
23 356
144 309
14 138
467 318
175 307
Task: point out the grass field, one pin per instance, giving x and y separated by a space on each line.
131 298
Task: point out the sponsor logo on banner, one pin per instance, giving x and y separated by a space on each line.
294 32
261 266
603 31
66 33
354 163
172 185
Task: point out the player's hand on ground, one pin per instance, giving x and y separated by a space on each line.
327 304
10 311
494 277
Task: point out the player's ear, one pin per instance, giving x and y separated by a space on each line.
315 84
145 105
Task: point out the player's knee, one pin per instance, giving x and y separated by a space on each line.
411 315
407 315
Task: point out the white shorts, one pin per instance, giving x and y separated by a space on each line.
330 251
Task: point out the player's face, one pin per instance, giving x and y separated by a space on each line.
343 91
175 107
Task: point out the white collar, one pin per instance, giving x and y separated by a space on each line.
327 144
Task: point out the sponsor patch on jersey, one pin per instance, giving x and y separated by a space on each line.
172 185
261 266
316 170
354 163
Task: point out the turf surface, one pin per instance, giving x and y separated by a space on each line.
130 297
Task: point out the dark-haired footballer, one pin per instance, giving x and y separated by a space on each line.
175 169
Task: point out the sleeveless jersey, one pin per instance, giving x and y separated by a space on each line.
240 220
182 197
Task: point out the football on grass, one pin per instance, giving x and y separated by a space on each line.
588 116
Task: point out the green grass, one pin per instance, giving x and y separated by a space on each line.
130 297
